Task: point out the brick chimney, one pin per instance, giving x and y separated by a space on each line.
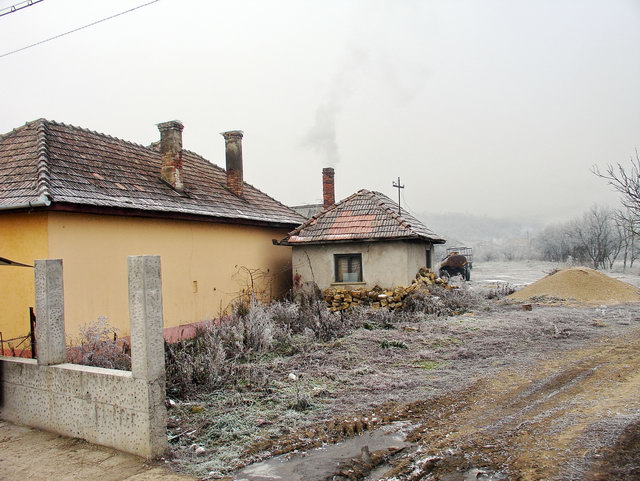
171 152
328 187
233 147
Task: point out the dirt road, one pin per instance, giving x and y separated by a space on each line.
552 421
572 418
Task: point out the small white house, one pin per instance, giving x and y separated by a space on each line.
362 241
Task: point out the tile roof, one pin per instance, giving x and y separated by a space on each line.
45 161
308 210
364 216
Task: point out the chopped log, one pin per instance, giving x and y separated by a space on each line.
339 299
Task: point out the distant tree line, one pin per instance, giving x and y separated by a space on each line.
598 238
602 235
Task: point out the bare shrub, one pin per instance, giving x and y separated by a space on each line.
438 301
218 354
385 344
313 316
98 346
500 291
251 330
425 302
224 353
372 319
195 362
458 301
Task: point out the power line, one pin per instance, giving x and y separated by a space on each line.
18 6
78 29
408 208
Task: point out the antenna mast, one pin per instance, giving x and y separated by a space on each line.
398 186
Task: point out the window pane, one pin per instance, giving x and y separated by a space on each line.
342 268
348 268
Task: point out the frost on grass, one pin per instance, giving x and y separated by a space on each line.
238 373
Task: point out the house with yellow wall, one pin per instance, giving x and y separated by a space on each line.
92 200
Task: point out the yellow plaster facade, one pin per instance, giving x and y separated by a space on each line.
203 265
23 238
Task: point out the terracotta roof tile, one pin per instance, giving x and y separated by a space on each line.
67 164
364 216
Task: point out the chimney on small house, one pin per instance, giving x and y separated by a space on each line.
233 147
171 152
328 187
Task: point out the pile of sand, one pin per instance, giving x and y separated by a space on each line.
580 284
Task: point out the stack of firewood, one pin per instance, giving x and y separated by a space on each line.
339 299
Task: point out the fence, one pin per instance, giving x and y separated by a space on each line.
121 409
18 350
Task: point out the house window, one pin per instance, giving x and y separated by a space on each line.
348 267
429 259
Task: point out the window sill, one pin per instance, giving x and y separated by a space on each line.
348 283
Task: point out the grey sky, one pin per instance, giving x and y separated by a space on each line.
489 107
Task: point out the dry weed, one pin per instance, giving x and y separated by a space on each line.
98 345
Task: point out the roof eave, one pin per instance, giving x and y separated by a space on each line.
41 201
133 212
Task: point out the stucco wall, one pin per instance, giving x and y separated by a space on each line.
386 264
201 262
23 238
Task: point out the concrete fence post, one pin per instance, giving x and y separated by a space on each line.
49 289
145 314
147 343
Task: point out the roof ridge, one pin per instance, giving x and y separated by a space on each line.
195 154
42 151
402 221
322 212
22 127
94 132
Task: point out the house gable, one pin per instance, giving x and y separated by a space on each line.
364 216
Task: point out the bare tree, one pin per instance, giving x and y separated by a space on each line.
597 235
625 180
554 243
629 225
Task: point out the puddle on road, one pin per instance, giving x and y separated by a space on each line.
478 475
317 464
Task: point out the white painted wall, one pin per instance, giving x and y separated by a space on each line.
384 263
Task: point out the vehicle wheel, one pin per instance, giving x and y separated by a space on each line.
467 274
444 274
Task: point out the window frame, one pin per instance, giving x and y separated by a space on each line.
336 258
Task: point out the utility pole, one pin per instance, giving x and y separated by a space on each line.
398 186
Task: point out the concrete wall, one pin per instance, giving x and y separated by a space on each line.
23 238
120 409
387 264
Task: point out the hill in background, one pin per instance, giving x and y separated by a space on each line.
491 238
